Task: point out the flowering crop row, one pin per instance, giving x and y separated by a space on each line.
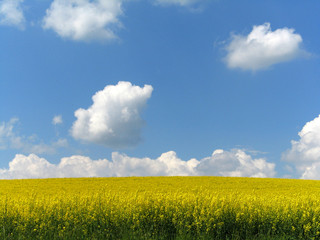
159 208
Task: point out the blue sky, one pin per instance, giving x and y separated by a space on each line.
159 87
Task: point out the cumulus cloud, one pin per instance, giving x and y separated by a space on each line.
57 120
263 48
222 163
84 20
305 153
11 13
113 120
312 172
168 164
30 166
11 139
177 2
235 163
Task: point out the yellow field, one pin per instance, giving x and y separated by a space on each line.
160 208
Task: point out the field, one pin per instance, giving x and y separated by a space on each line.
160 208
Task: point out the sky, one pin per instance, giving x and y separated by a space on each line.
104 88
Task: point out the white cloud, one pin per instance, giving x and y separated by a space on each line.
114 118
10 139
177 2
11 13
305 153
235 163
222 163
57 120
263 48
312 172
84 20
168 164
30 166
6 132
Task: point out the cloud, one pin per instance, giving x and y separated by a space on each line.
235 163
114 118
263 48
28 167
57 120
312 172
84 20
305 153
168 164
10 139
11 13
222 163
6 133
177 2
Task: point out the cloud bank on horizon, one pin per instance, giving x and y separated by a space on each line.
234 163
262 48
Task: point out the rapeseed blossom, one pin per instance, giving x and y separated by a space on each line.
159 208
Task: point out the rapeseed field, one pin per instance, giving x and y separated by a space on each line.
160 208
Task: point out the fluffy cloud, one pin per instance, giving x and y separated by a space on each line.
28 167
168 164
305 153
11 13
263 48
235 163
177 2
312 172
83 20
114 118
222 163
10 139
